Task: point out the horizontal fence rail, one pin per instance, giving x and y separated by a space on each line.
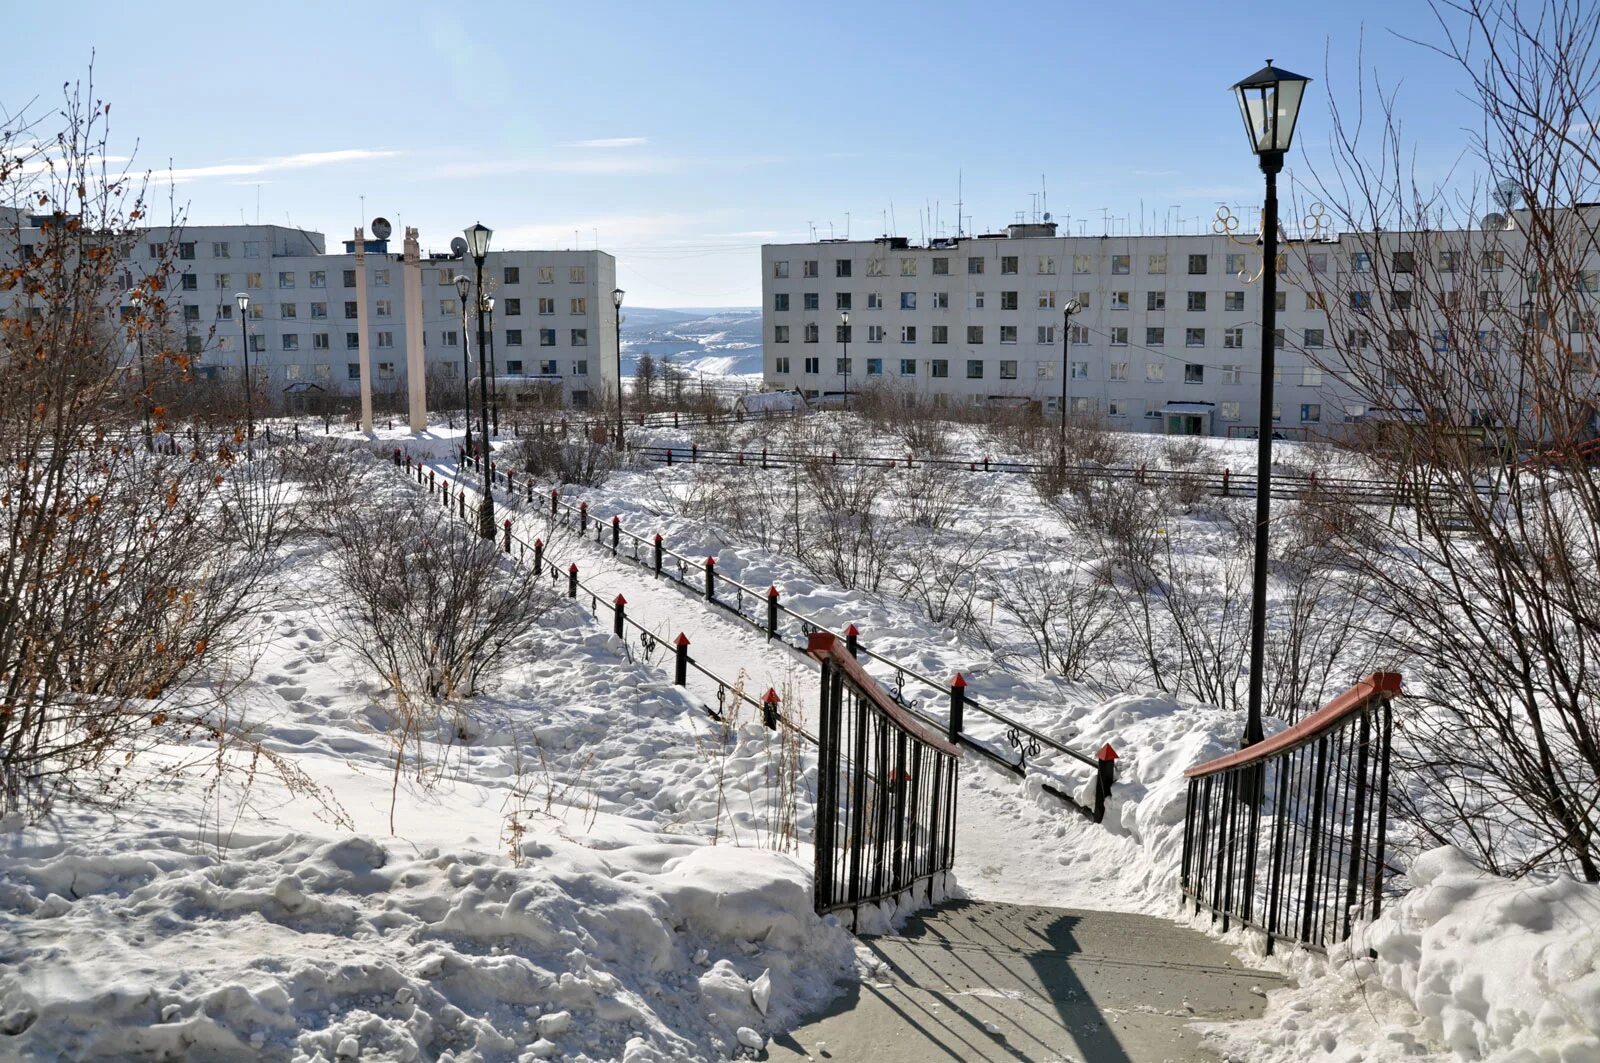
886 791
1287 836
634 635
764 610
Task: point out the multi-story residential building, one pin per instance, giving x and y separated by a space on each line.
554 320
1168 337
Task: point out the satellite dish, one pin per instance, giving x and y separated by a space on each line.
458 247
1507 193
381 228
1047 215
1493 222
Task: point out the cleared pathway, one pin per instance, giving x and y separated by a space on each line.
979 981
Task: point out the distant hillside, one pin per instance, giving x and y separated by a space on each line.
716 342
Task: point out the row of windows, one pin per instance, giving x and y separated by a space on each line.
386 370
513 275
1195 302
1154 372
1010 265
1116 335
290 341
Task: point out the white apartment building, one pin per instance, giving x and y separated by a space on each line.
554 322
1168 339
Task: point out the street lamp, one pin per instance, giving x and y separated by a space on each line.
464 289
844 334
478 248
616 303
1072 306
244 337
1269 102
494 372
136 297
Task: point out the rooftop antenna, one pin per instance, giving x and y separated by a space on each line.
830 230
1105 221
894 226
847 225
1141 216
1044 198
958 204
258 204
1033 206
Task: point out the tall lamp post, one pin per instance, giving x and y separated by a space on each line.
494 374
1269 101
478 248
1070 307
136 298
464 290
243 300
844 334
616 303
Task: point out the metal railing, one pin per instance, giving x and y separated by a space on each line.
1287 836
630 631
765 611
886 791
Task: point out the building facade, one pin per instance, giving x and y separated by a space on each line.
554 322
1169 335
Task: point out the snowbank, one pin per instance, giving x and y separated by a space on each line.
1469 966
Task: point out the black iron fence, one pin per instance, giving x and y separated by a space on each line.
764 610
1287 836
886 792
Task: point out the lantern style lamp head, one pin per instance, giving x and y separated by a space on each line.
478 240
488 303
243 300
463 286
1269 102
616 297
844 317
1071 306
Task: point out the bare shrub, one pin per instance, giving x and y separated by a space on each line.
945 579
1068 616
846 540
563 461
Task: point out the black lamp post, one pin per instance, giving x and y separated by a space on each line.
478 248
1269 101
1072 306
464 290
844 334
494 374
243 300
136 297
616 304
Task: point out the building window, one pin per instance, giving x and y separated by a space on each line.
908 334
1008 369
842 366
1008 300
1155 336
1196 301
1194 373
285 279
512 308
1155 300
285 310
874 366
841 300
319 341
977 300
351 309
319 311
352 341
383 307
252 280
513 337
780 365
1197 265
841 334
1078 334
1311 377
385 370
513 367
874 267
939 368
1360 300
941 300
1008 265
512 274
974 369
1194 337
974 334
1229 409
353 371
874 333
974 264
780 270
780 334
908 367
578 307
1405 262
1119 335
1117 371
1315 301
1314 337
547 274
1047 334
1360 262
939 334
577 275
191 313
1156 264
547 305
221 249
941 267
1155 372
450 338
811 333
813 365
908 300
808 268
580 337
1121 264
1083 263
385 339
224 281
1232 373
1233 301
1120 301
1311 412
908 267
1116 407
1400 300
191 283
1079 370
547 337
1233 337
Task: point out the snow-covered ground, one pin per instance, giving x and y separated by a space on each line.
589 868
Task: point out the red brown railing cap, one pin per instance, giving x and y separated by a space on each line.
824 645
1375 686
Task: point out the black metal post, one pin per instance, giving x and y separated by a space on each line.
486 509
616 532
617 311
244 338
852 641
1271 163
658 554
619 617
538 556
572 580
711 579
466 374
847 366
680 665
772 612
494 377
958 706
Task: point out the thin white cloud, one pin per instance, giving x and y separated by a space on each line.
600 166
607 142
301 161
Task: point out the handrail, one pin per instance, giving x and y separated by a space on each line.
945 690
1310 727
825 646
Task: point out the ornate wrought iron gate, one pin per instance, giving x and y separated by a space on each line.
886 792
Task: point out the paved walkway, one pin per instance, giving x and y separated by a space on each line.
977 981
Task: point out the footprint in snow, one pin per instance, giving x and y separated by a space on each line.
291 694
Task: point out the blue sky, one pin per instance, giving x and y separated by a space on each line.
686 134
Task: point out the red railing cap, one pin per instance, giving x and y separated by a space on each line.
615 519
574 568
959 681
1376 686
681 640
620 600
772 590
771 696
1106 753
852 631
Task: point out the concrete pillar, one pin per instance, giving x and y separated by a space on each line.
362 355
416 369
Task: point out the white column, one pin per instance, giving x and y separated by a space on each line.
362 356
416 369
